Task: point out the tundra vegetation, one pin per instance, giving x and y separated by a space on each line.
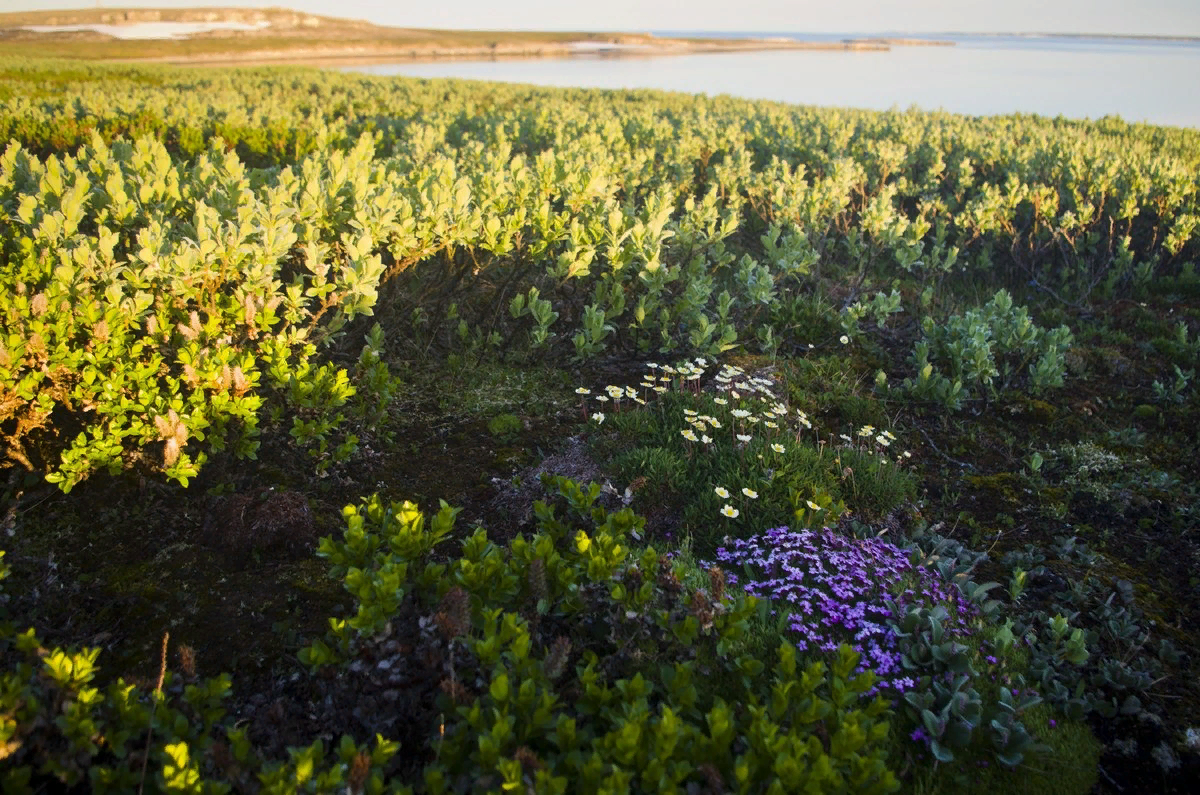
645 442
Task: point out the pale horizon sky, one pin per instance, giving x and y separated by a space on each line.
1149 17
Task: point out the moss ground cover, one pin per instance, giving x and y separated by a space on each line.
315 288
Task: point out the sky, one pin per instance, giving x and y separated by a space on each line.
1142 17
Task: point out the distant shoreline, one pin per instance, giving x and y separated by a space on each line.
913 38
515 50
1116 36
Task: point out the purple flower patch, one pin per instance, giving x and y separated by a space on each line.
837 589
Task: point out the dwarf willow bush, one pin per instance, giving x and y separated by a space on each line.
60 732
586 667
565 661
988 349
148 307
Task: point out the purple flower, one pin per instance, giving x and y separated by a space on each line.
836 588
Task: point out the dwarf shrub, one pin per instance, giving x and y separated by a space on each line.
988 349
564 662
59 732
570 663
150 311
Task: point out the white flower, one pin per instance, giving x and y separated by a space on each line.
639 400
882 440
598 417
778 448
660 389
744 438
729 511
690 412
845 340
866 431
652 365
690 435
720 401
739 413
770 424
602 398
722 492
713 422
630 392
583 390
751 493
704 437
752 418
813 505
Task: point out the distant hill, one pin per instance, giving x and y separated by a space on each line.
256 35
267 34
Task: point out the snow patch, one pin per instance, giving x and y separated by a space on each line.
151 30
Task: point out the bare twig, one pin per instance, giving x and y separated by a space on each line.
1057 297
1109 778
943 455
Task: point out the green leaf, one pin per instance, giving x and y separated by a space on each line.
499 689
941 752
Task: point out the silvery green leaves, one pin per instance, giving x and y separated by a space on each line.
988 349
539 309
790 253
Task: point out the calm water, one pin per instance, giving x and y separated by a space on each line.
1139 80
